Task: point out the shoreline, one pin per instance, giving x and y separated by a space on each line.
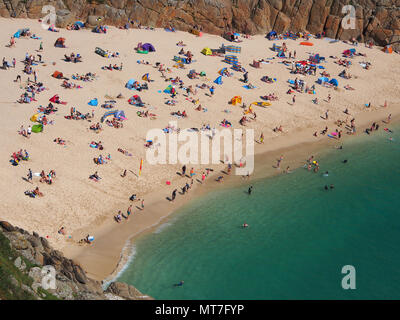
85 207
113 261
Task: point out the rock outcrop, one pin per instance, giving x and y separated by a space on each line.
71 282
377 20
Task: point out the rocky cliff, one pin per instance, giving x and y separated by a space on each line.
375 19
22 257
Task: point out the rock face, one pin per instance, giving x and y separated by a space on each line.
374 19
71 281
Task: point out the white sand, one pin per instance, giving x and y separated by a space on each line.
83 206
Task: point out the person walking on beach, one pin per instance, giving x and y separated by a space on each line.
30 175
294 99
183 170
173 195
129 211
192 172
329 98
326 114
203 177
142 204
262 137
246 77
212 89
389 118
278 164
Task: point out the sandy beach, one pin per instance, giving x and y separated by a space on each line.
84 206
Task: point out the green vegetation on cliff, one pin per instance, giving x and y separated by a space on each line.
14 283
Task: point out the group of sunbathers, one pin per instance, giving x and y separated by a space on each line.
115 123
102 160
112 67
86 77
73 58
47 178
70 85
96 127
270 97
179 114
76 115
34 193
16 157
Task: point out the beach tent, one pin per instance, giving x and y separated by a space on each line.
35 117
146 77
116 113
236 100
17 34
130 84
218 80
57 75
54 98
322 80
60 42
334 82
37 128
316 58
136 101
388 49
168 89
78 25
231 59
271 35
148 47
221 72
93 102
206 51
234 49
281 54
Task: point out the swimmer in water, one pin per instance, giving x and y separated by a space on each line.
250 190
345 161
245 225
180 284
332 186
326 187
326 174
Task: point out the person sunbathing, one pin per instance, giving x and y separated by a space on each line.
36 192
59 141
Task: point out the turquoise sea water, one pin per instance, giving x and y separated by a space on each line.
300 235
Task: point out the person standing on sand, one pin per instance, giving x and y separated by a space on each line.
389 118
183 170
203 177
129 211
192 172
278 164
142 204
30 175
294 99
326 114
250 190
262 137
173 195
